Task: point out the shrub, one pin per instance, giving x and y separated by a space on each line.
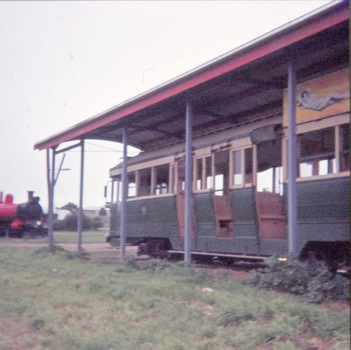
235 314
299 278
37 324
326 286
46 250
102 211
96 223
150 265
70 222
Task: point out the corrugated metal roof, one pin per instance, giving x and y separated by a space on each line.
241 84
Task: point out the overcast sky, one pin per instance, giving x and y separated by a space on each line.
63 62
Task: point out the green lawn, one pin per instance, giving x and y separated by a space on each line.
63 237
87 237
57 301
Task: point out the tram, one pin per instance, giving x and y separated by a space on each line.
240 180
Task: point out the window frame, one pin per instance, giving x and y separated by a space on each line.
316 125
204 186
242 151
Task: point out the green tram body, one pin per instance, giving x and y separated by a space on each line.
322 215
251 222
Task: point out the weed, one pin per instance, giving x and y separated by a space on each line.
235 314
284 346
149 302
45 250
208 333
37 324
95 287
326 286
82 254
342 341
154 265
329 325
46 343
298 278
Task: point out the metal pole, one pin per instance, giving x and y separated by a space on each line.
80 212
112 192
60 168
51 184
292 171
124 197
188 185
48 179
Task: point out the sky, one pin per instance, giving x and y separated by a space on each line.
62 62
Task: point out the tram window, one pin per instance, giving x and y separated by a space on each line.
221 172
269 167
317 153
181 176
131 185
198 173
144 182
162 179
248 165
242 166
172 184
344 134
237 171
208 172
117 189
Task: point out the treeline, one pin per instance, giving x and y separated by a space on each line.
70 223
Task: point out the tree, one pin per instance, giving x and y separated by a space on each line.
102 212
70 222
71 207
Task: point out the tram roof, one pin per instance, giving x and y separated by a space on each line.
237 87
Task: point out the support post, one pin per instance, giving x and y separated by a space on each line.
292 171
124 197
112 192
51 184
188 185
80 212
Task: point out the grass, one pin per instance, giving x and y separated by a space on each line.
63 237
87 237
51 301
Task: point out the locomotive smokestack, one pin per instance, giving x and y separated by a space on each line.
30 195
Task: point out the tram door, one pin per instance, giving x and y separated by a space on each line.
221 202
180 190
269 190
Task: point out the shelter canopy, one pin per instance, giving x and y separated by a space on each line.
235 88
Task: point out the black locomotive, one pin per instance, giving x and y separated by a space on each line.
21 220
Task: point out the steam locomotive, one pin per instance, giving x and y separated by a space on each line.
21 220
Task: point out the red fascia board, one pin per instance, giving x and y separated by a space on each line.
259 50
